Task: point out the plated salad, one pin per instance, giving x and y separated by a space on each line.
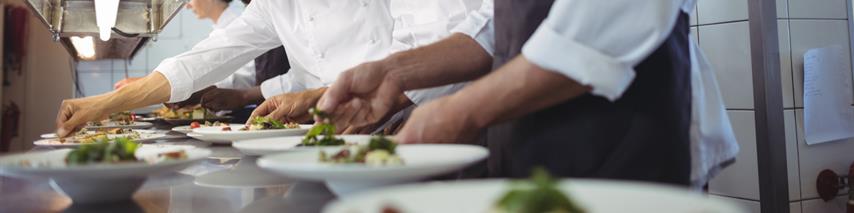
323 132
118 150
119 118
264 123
84 136
195 112
380 151
537 194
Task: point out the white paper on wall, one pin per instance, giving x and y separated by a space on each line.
828 115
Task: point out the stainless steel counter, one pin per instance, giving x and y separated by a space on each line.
226 182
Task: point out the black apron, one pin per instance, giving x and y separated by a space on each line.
641 136
268 65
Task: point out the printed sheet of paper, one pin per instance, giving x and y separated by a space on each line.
828 114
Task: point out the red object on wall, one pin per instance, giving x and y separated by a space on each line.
11 114
15 38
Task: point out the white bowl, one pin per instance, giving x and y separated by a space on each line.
600 196
266 146
216 133
420 161
98 182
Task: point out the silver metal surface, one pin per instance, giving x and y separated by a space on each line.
141 19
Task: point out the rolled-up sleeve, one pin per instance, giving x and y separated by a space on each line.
479 26
598 43
221 54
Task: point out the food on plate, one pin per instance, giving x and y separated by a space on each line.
119 118
196 124
195 112
103 151
537 194
84 136
118 150
323 132
380 151
262 123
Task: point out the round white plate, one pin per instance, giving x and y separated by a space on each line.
266 146
183 129
48 135
10 165
595 196
216 133
144 136
111 125
207 138
420 161
98 182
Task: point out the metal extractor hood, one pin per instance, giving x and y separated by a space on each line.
137 21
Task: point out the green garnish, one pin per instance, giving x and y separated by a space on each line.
538 194
323 132
268 123
103 151
380 142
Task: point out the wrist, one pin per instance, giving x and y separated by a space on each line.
467 114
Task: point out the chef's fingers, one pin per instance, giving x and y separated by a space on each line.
281 113
262 110
338 93
65 113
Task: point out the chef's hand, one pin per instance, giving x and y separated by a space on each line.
124 82
289 107
224 99
194 99
361 96
75 113
439 121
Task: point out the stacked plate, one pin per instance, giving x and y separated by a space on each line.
51 140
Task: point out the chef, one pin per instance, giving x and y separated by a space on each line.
584 88
322 38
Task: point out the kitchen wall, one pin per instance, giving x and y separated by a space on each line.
184 31
722 30
42 85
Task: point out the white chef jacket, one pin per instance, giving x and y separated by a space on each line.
598 43
322 39
244 77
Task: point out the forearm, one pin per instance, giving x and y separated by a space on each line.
152 89
455 59
516 89
253 95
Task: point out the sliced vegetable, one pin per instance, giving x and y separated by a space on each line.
323 132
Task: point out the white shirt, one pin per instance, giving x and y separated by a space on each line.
322 39
244 77
607 41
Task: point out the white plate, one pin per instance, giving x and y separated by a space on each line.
266 146
216 133
111 125
99 182
183 129
420 161
48 135
595 196
207 138
144 136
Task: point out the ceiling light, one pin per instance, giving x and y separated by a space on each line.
105 15
85 46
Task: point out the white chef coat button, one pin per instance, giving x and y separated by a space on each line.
321 55
311 18
373 41
364 4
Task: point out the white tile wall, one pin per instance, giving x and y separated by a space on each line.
792 162
727 47
786 64
835 9
815 158
716 11
820 206
749 205
741 179
782 9
808 34
795 207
